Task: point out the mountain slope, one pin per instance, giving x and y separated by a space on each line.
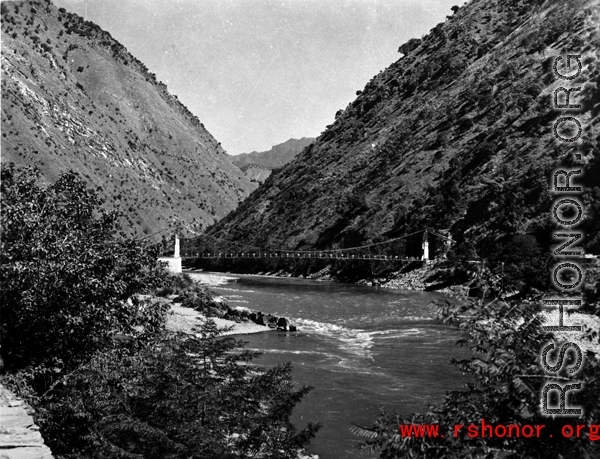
259 164
456 135
74 98
278 156
256 172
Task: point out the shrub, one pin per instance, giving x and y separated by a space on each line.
527 263
176 398
67 279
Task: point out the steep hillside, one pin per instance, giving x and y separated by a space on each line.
456 135
74 98
258 165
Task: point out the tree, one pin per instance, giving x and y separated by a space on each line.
67 279
178 397
527 263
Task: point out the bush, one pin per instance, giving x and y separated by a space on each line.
176 398
527 263
164 291
183 282
67 279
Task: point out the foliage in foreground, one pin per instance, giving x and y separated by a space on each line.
94 361
177 398
67 278
507 340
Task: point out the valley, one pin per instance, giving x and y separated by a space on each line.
406 259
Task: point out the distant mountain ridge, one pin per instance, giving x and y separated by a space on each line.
455 136
74 98
257 166
278 156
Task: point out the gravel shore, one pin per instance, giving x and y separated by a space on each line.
182 319
210 279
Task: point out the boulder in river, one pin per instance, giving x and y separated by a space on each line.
260 320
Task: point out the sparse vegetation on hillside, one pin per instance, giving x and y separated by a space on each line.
455 136
75 98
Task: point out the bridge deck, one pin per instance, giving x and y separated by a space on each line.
298 256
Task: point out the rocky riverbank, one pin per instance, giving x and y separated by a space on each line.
215 306
424 276
199 303
185 320
432 276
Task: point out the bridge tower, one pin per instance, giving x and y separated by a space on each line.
174 262
176 252
425 247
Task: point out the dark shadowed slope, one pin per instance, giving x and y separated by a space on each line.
456 135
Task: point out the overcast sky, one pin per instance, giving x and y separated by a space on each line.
258 72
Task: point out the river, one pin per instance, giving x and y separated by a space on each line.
360 347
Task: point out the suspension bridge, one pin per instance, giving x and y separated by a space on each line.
396 250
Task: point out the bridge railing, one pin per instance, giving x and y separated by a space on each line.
297 255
